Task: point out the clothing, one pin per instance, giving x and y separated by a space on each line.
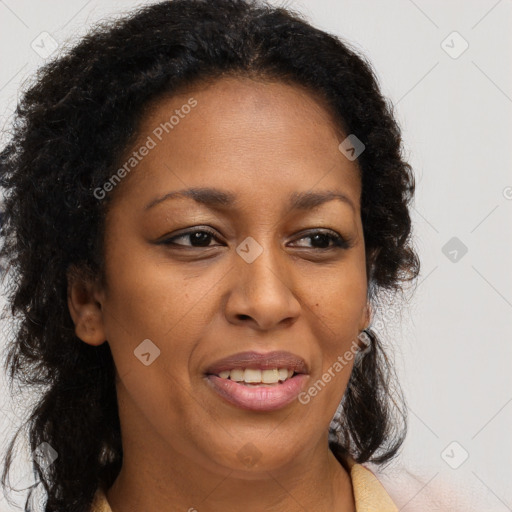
369 494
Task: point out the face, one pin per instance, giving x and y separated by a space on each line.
272 258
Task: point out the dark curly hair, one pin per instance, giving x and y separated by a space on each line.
71 127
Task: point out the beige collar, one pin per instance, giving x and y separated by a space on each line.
369 494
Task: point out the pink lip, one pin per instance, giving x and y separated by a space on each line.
258 398
257 360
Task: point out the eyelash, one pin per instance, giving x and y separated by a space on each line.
338 240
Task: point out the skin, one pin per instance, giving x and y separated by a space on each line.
201 302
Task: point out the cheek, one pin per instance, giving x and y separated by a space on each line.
148 301
338 300
338 307
153 299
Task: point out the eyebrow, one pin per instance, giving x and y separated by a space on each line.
215 198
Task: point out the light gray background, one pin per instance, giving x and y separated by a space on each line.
452 346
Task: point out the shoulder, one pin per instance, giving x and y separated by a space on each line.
418 493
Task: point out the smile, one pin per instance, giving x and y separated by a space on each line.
257 395
257 376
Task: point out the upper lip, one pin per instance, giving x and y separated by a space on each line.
263 361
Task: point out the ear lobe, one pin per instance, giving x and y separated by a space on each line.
84 308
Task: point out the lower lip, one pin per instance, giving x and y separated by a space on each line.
258 398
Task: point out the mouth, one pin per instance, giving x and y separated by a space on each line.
258 382
257 376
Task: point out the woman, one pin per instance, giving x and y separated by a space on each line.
204 204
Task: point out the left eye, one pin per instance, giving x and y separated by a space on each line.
325 237
202 237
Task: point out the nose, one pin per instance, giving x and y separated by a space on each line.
263 292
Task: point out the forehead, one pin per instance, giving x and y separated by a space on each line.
236 98
242 131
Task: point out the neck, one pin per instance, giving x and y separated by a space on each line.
164 481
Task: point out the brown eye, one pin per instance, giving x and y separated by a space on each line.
322 239
196 237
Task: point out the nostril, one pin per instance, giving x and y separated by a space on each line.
244 317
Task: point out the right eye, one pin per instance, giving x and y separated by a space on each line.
202 237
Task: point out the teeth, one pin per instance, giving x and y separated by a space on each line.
270 376
255 376
237 375
252 376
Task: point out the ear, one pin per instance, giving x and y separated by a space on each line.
85 306
366 317
365 322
